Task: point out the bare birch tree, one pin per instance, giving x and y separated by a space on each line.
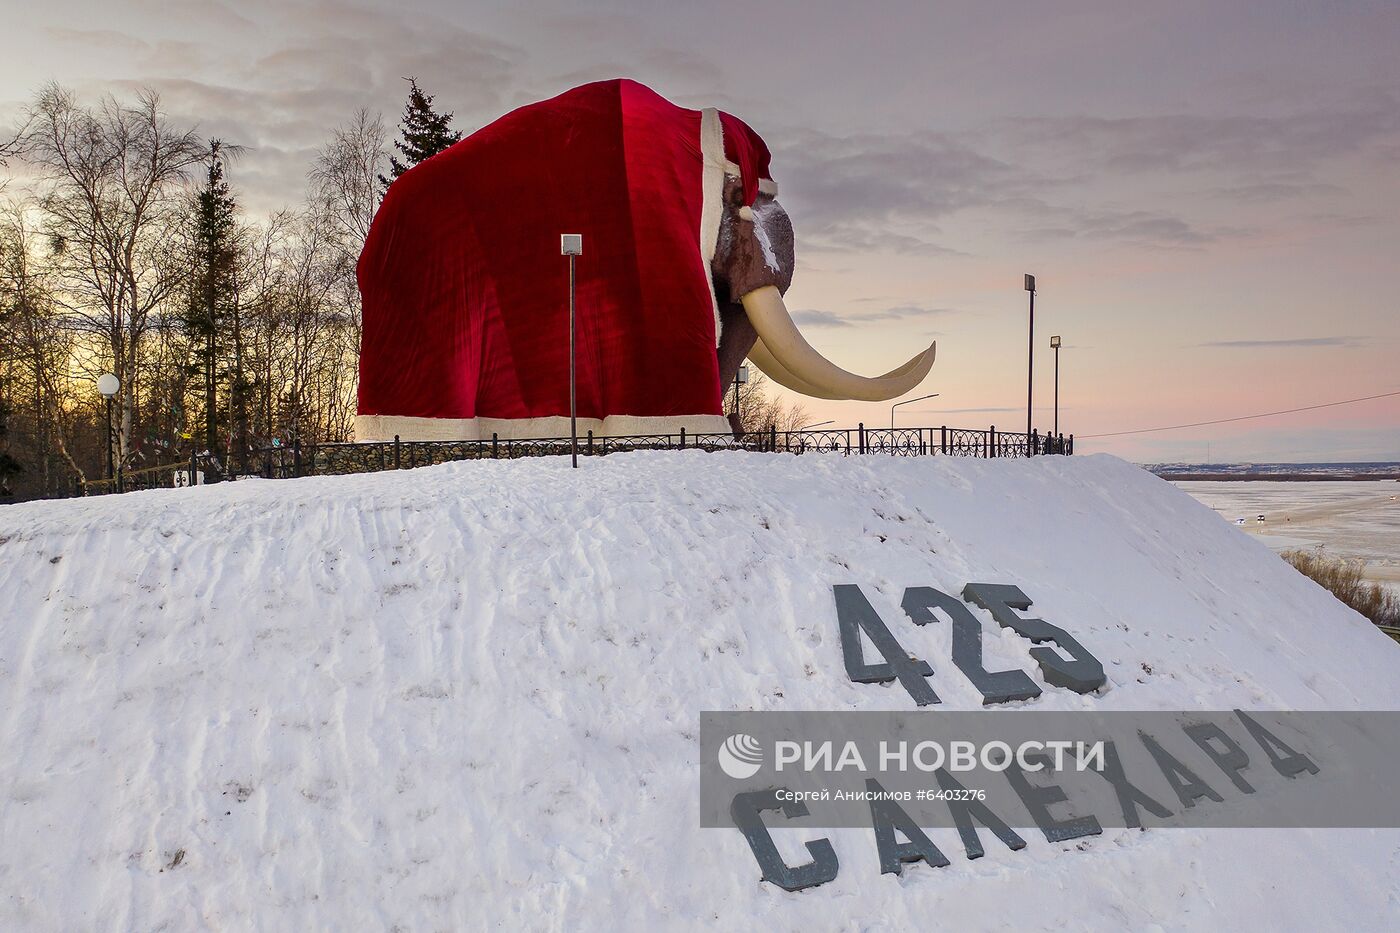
343 196
115 180
37 348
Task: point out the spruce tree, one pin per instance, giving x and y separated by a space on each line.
211 296
425 133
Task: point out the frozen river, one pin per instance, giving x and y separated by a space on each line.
1349 519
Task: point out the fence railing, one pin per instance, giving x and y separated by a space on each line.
372 456
296 459
166 476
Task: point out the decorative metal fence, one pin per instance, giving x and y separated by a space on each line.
296 459
166 476
369 457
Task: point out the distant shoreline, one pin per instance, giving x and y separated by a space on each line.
1274 477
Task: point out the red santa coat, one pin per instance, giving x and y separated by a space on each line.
465 293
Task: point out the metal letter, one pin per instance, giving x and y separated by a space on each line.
1288 764
887 816
1188 785
965 811
1232 759
1129 795
1039 799
995 686
1080 672
854 614
745 810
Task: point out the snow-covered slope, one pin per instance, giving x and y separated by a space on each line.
468 696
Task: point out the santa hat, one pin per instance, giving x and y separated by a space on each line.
746 158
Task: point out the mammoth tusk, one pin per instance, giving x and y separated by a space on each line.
770 367
784 345
760 357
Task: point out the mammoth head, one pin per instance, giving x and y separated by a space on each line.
752 269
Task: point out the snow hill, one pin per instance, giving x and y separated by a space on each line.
467 696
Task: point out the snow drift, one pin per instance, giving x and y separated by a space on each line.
467 696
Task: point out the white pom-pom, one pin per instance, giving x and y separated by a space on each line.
746 213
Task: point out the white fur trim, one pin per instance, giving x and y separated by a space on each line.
712 196
408 428
746 213
767 185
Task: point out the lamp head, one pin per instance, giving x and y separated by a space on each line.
1055 342
108 385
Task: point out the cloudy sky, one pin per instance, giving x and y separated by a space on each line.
1208 193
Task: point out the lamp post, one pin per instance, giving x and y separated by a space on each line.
741 378
1030 359
571 245
1055 345
819 424
108 385
906 402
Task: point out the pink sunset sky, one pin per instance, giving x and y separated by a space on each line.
1208 194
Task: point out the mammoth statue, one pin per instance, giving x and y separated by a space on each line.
686 256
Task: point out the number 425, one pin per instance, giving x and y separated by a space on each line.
1068 664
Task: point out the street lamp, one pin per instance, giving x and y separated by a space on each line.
819 424
1055 345
906 402
571 245
741 377
1030 358
108 385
